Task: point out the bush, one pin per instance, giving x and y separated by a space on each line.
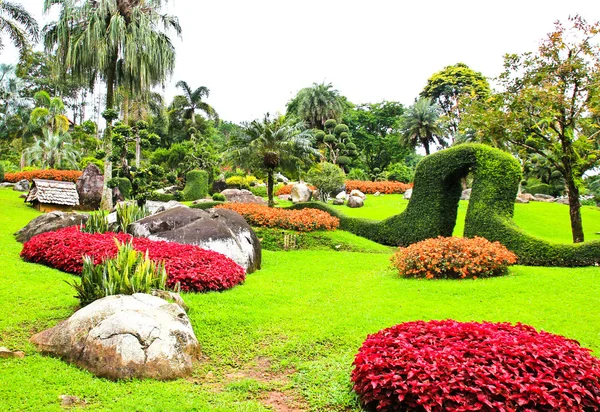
218 197
399 172
368 187
260 191
237 182
453 258
540 188
1 172
127 273
357 174
453 366
160 197
49 174
327 178
300 220
124 186
194 268
87 160
196 185
206 205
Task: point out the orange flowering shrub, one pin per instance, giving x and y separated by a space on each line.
287 190
50 174
372 187
453 258
305 220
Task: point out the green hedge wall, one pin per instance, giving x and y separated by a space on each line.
433 208
196 185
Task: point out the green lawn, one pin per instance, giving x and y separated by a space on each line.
289 333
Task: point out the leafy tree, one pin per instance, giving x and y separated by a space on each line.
49 113
53 150
421 125
448 86
194 102
18 24
270 145
317 104
326 177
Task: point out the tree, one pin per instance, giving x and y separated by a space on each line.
317 104
326 177
52 150
272 144
122 42
194 102
48 113
549 106
448 86
337 143
19 25
421 126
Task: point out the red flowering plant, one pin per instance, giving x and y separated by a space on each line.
453 258
454 366
367 187
194 268
50 174
305 220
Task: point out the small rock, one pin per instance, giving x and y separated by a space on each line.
466 194
521 200
355 202
358 193
67 401
22 186
342 195
23 196
543 196
562 201
338 202
242 196
376 194
7 353
526 196
7 184
284 197
408 194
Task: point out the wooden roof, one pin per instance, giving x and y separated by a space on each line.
54 192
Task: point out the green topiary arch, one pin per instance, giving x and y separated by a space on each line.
433 208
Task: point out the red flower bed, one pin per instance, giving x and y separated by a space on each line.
50 174
287 190
453 258
305 220
372 187
196 269
454 366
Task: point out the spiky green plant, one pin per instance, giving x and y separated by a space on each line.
96 223
127 273
127 213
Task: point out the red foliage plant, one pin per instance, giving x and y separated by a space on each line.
50 174
454 366
386 187
305 220
195 269
453 258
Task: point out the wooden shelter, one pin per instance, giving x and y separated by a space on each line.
50 195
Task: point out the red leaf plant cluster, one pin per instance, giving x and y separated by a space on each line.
454 366
386 187
453 258
305 220
195 269
287 190
50 174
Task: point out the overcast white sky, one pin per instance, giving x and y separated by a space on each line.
255 55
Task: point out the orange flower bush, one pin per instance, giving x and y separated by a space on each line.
305 220
50 174
287 190
453 258
372 187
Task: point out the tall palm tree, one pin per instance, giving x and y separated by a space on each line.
271 144
18 24
194 102
53 150
49 113
421 125
317 104
122 42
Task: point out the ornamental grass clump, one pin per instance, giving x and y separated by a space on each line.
455 366
453 258
129 212
127 273
97 223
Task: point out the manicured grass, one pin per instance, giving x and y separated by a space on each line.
290 330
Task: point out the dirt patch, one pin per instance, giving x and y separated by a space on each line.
282 402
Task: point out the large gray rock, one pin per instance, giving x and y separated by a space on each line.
242 196
125 337
358 193
301 193
90 186
221 230
355 202
466 194
22 186
407 194
50 222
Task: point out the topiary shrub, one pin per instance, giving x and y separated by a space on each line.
218 197
453 258
196 185
540 188
90 159
453 366
124 186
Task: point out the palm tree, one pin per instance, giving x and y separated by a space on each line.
421 125
48 113
124 43
271 144
317 104
18 24
53 150
194 102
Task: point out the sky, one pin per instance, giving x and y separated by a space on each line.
255 55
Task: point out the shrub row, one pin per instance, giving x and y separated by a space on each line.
454 366
300 220
453 258
368 187
50 174
287 190
194 268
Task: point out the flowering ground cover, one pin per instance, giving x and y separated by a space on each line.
50 174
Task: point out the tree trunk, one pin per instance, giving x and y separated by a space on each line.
107 202
574 209
270 187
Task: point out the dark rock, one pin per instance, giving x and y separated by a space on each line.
117 195
355 202
50 222
221 230
90 186
218 186
242 196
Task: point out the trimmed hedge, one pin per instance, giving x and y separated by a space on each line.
47 174
206 205
196 185
433 208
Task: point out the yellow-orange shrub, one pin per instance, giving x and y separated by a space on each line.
368 187
50 174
